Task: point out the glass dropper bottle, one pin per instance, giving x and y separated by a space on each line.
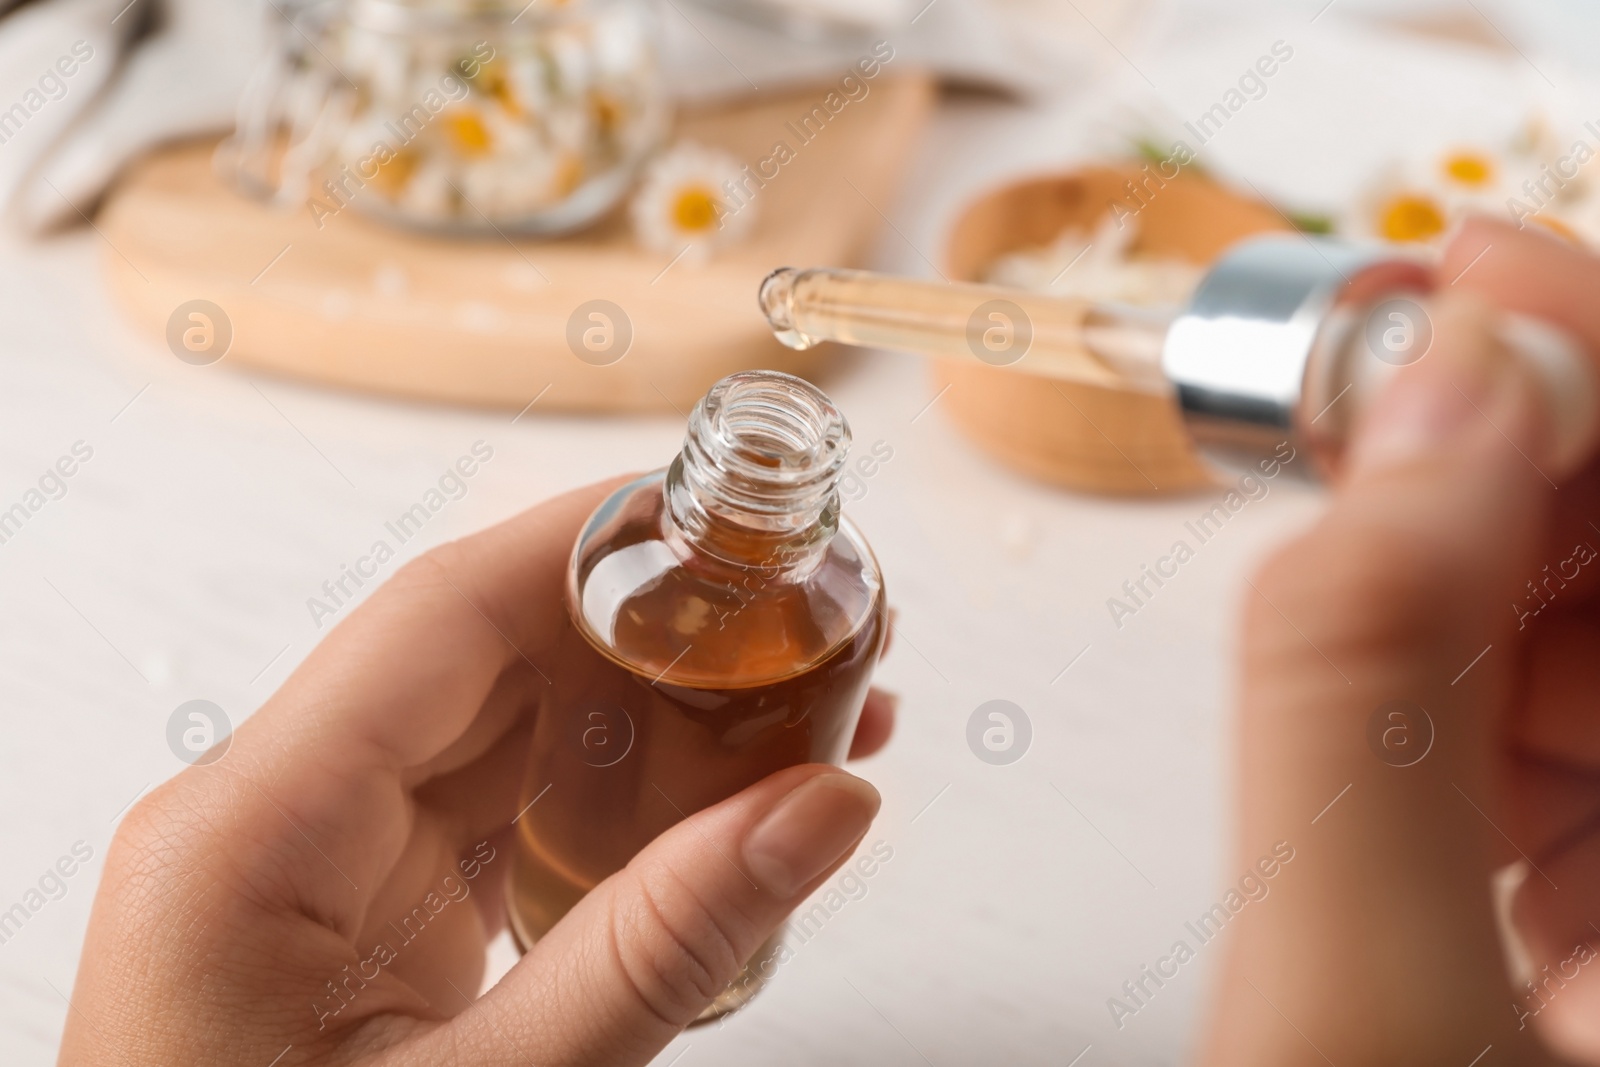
724 620
1285 336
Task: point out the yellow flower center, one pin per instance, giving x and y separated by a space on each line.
497 85
569 173
694 209
1411 218
394 172
1469 169
471 136
607 111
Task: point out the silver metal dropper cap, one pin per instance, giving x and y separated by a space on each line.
1266 345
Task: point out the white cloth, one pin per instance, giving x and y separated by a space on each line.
39 99
182 80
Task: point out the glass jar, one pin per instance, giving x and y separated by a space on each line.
462 116
725 620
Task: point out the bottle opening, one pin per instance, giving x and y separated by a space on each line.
763 453
778 426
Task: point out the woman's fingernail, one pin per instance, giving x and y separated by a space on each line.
1427 408
808 831
1566 377
1415 415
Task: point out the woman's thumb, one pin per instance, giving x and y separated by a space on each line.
647 950
1527 381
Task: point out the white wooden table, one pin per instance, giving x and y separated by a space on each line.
1018 898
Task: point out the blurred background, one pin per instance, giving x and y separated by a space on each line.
267 272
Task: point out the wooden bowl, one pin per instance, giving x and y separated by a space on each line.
1085 436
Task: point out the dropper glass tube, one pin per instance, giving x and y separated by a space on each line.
1113 345
1275 343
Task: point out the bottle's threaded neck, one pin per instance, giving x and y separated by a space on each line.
757 480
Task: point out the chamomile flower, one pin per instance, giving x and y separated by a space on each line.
1411 215
1468 169
690 197
540 128
1421 198
1534 178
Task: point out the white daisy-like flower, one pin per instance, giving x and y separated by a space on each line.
1419 199
691 198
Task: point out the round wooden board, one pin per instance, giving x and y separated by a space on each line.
362 305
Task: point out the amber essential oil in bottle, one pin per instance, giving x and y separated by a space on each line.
724 623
